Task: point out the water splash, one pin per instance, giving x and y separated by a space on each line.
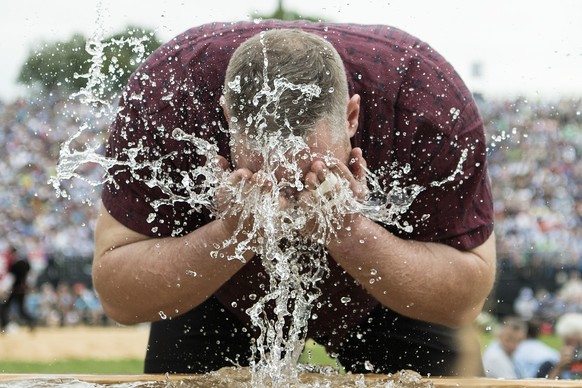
98 95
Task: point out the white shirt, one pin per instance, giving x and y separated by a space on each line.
531 354
497 363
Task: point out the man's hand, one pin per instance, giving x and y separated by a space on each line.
230 198
354 173
326 180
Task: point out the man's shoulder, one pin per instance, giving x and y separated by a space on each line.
339 34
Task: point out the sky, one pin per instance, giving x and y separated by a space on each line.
529 48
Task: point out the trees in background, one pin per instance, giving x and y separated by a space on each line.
66 65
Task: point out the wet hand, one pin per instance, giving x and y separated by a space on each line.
231 196
323 183
323 177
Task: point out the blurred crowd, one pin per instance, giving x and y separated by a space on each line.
533 149
534 153
65 305
33 218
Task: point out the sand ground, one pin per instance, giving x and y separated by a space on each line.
81 342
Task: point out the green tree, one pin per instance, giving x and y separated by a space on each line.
68 66
282 13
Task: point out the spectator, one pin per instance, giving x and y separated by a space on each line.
571 292
569 365
531 353
66 305
526 305
87 305
498 356
19 270
6 278
49 306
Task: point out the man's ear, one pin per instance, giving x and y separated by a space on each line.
353 114
224 110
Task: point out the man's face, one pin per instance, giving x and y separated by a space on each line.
509 340
323 142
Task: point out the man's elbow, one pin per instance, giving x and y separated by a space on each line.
475 294
120 316
115 310
470 307
110 298
464 318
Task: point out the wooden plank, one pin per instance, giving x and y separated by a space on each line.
437 382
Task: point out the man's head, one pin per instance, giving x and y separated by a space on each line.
569 329
288 82
511 333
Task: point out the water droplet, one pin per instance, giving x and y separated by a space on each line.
162 315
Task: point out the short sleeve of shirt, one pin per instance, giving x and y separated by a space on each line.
420 128
178 87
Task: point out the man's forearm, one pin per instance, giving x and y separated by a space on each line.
427 281
141 279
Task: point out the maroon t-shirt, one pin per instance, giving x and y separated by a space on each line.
415 110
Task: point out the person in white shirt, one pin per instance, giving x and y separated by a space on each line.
531 353
497 357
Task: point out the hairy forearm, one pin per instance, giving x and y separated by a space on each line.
141 280
427 281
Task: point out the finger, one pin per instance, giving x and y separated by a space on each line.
262 180
320 169
311 180
358 164
355 175
283 202
341 170
222 162
239 175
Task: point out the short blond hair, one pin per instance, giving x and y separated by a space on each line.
299 57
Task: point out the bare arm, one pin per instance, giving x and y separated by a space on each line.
427 281
141 279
